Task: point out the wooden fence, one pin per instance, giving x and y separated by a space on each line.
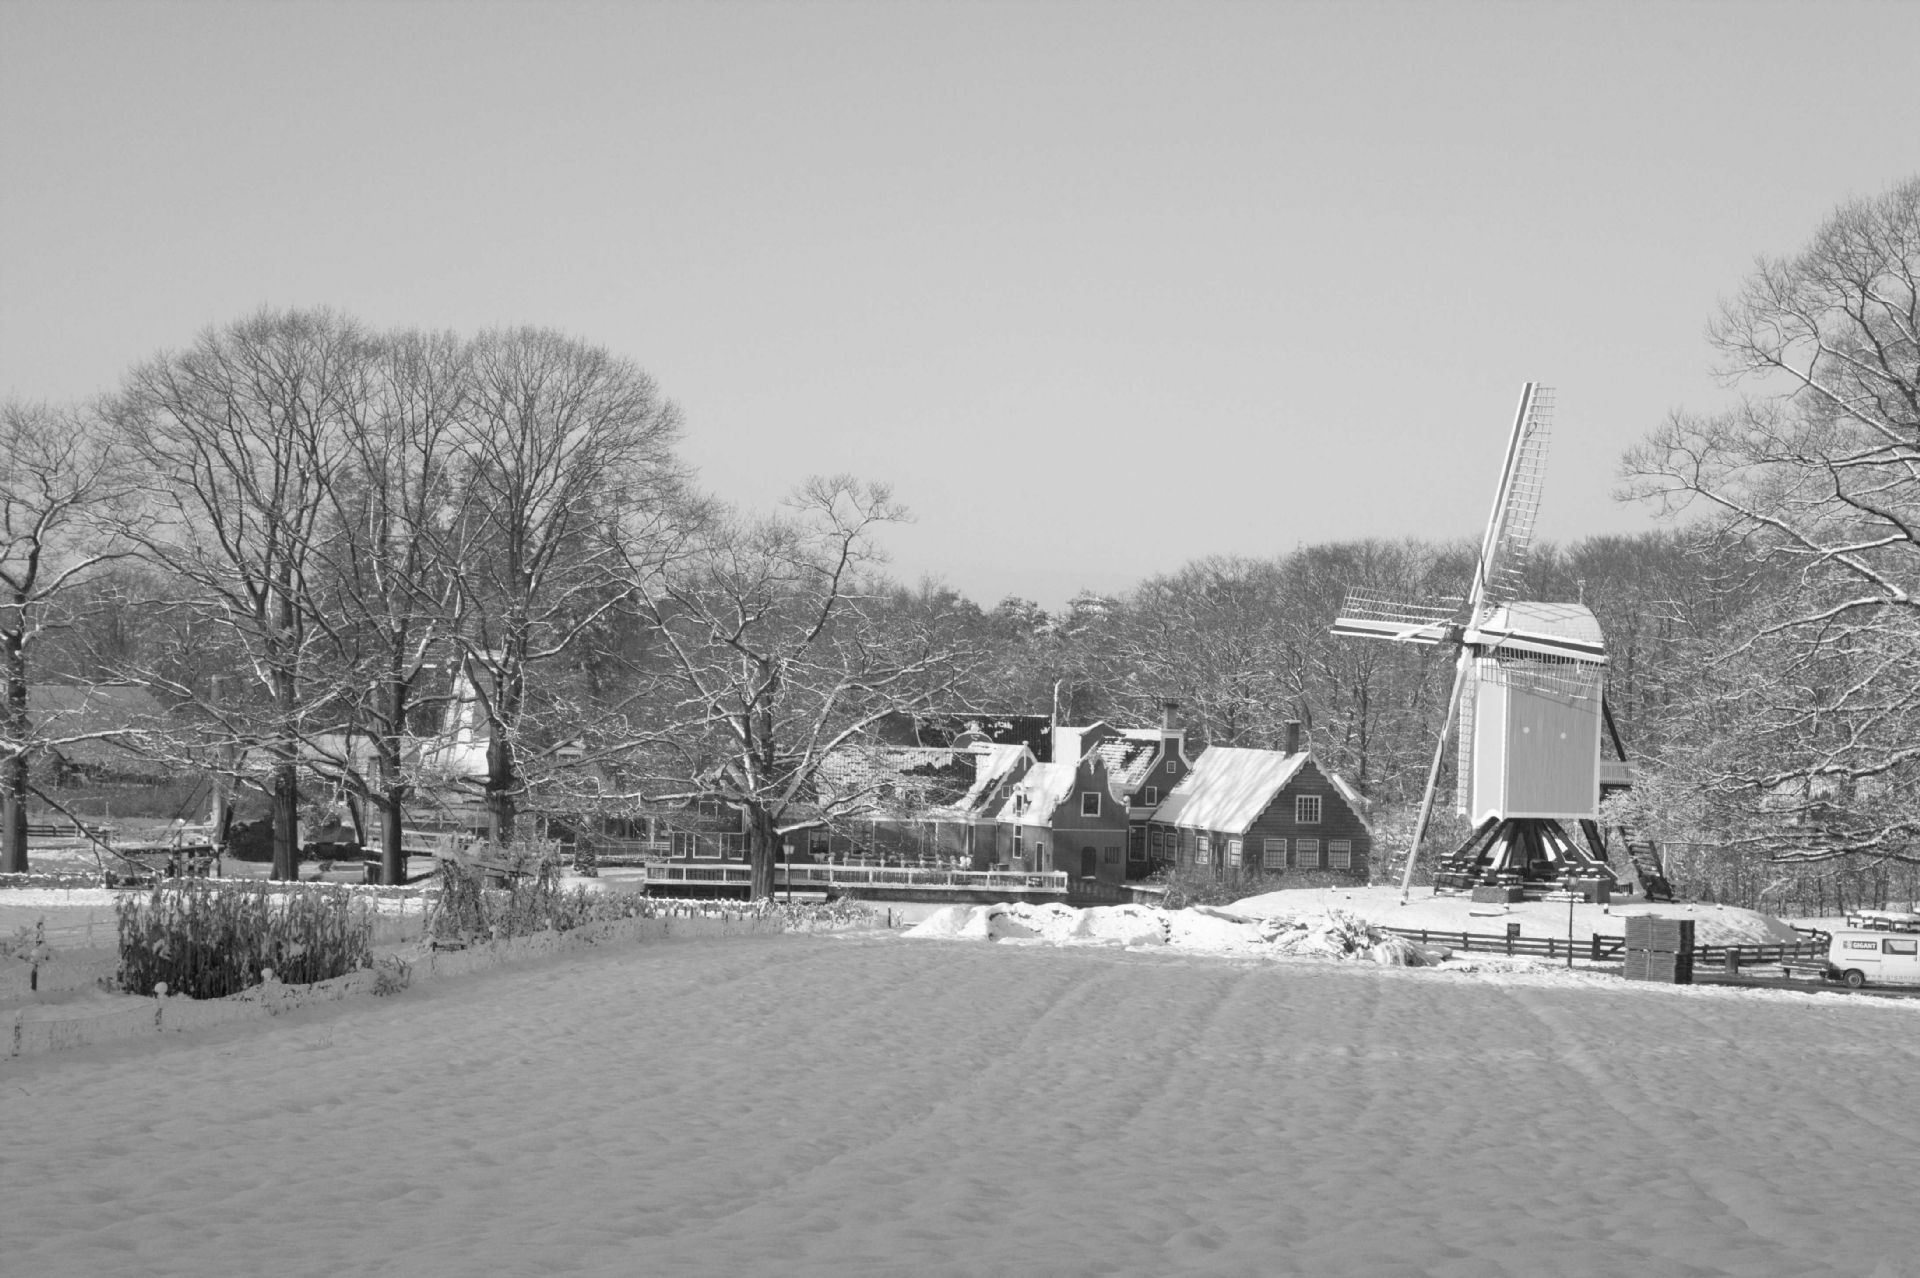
1612 949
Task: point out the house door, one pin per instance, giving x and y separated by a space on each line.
1089 863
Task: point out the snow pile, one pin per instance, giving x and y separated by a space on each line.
1198 929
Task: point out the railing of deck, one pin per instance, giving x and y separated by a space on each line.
849 876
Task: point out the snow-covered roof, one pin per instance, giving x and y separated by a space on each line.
881 775
1045 787
1129 759
1570 622
1228 787
994 766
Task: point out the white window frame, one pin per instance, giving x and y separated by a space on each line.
1340 854
1273 854
1233 854
1173 765
1152 797
1304 848
1089 797
1306 809
1202 850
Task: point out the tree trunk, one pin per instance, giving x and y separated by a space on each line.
763 845
286 821
393 789
13 838
13 803
393 861
501 779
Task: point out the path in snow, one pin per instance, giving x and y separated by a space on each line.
871 1105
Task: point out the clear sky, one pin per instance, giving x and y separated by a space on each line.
1100 288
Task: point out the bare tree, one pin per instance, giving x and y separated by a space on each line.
565 470
780 648
1814 475
62 473
240 437
386 572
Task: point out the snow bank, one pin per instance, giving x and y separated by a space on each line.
1198 929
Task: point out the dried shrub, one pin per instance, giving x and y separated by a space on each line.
204 940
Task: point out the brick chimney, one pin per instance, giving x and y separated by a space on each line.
1293 736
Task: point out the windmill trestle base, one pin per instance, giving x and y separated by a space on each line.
1530 855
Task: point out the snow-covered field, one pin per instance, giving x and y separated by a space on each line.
870 1104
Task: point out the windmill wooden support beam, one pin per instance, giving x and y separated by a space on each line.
1524 852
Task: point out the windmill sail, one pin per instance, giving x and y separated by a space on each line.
1372 616
1509 539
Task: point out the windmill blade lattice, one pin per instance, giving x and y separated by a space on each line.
1376 616
1507 557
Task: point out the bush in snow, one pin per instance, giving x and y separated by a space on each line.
207 941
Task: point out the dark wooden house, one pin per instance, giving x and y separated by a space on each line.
1243 811
1064 816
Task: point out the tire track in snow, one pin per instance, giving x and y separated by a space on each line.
1763 1206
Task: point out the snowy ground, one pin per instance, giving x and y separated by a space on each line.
1713 924
869 1104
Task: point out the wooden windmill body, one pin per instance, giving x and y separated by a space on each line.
1527 696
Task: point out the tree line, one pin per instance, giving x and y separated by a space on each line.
310 538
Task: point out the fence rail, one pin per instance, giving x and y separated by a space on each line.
1605 949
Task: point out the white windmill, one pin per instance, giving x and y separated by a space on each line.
1526 694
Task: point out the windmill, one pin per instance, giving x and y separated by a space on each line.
1526 695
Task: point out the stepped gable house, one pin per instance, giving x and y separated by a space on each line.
1251 810
1144 765
1063 816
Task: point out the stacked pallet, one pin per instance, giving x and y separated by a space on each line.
1659 949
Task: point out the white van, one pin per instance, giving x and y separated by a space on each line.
1859 955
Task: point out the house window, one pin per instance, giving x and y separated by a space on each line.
1154 841
1273 854
1306 809
1306 854
1233 853
709 809
1090 804
1339 854
733 846
1136 846
1019 837
706 847
1113 855
1173 766
1152 798
1202 850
